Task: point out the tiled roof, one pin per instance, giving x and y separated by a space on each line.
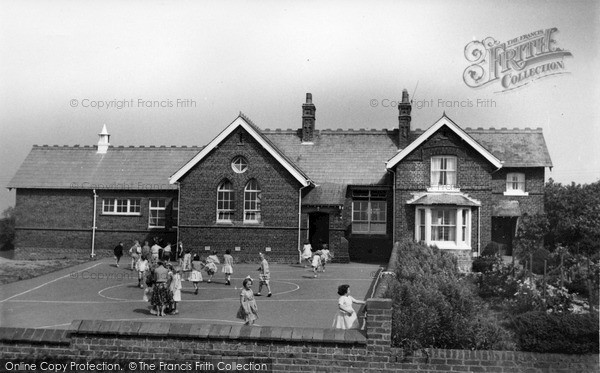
514 147
336 159
135 168
458 199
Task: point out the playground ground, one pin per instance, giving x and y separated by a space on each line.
100 290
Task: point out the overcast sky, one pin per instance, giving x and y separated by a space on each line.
261 58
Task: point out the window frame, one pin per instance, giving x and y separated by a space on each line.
463 226
252 198
521 180
152 210
370 198
443 171
133 206
229 202
175 212
239 164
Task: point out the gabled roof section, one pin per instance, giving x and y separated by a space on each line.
443 121
254 131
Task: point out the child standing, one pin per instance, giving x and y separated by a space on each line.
186 264
141 266
346 317
248 310
176 289
227 266
134 252
196 274
264 276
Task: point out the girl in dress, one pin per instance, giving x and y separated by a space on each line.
211 265
248 310
196 274
306 252
326 256
227 266
141 266
346 317
316 262
176 289
186 265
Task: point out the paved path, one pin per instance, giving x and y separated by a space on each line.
99 290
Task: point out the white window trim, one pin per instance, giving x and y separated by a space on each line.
152 208
443 187
237 161
459 243
219 220
129 207
257 211
515 192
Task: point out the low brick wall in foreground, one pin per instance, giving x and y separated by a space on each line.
263 349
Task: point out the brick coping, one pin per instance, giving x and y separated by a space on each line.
183 330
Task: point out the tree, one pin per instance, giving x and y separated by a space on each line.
530 235
7 229
574 217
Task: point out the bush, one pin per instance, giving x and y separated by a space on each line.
433 306
491 249
484 264
499 282
556 332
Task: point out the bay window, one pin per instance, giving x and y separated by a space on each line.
445 227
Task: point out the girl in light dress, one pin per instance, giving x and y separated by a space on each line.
175 288
248 310
196 274
316 262
186 265
306 252
211 265
346 318
227 266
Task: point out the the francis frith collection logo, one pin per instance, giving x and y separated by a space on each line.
516 62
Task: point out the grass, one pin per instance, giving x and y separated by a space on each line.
17 270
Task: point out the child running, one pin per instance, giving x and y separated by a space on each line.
248 310
196 274
326 256
227 266
316 262
211 265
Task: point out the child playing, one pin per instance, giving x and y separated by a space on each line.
346 318
196 274
141 266
176 289
186 264
227 266
306 252
326 256
248 310
316 262
211 265
264 276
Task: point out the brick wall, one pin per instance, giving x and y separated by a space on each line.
282 349
58 223
278 228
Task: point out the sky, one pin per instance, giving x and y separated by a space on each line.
61 60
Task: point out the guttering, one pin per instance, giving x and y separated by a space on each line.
478 231
393 206
300 217
92 255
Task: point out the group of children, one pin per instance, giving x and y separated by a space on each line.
317 259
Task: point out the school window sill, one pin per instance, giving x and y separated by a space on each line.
515 193
121 214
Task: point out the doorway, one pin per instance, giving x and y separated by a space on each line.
318 229
503 233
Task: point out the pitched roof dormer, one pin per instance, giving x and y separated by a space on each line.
443 121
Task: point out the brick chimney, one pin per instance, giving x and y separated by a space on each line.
404 109
103 141
308 120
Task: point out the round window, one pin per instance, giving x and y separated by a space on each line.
239 164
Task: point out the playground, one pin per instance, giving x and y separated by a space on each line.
100 290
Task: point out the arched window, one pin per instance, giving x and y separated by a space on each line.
225 202
252 202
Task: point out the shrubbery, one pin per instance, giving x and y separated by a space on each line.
539 331
435 307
